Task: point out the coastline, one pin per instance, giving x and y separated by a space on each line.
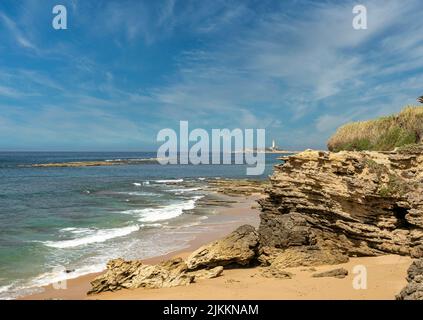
387 274
239 211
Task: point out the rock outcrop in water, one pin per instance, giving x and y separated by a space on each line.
346 203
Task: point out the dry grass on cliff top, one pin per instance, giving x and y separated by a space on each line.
383 134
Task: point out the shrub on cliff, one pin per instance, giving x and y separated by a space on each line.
383 134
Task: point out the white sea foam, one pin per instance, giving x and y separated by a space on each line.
16 290
67 229
137 184
143 194
59 275
5 288
151 225
168 212
169 181
76 230
96 235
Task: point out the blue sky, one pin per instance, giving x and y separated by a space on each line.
126 69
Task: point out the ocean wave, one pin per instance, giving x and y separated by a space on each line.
76 230
136 193
97 235
169 181
184 190
168 212
59 274
137 184
6 288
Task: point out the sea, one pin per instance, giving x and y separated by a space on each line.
58 223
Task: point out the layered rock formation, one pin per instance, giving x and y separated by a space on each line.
414 289
346 203
123 274
237 249
321 208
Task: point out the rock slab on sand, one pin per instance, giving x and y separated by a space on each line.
238 248
123 274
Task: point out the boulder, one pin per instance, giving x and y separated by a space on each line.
414 288
238 248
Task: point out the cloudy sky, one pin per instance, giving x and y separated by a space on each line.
124 69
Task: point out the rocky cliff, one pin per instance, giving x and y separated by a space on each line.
346 203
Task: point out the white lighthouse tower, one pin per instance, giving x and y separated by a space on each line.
273 145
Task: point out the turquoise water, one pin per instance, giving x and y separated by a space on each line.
76 219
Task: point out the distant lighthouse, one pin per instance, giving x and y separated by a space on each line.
273 145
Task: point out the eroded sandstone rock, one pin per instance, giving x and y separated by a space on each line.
307 257
357 203
121 274
414 288
207 273
238 248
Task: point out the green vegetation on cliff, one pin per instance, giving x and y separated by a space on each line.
383 134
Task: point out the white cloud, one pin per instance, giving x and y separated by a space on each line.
300 74
16 33
9 92
290 68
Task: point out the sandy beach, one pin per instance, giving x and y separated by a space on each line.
241 210
386 277
385 274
